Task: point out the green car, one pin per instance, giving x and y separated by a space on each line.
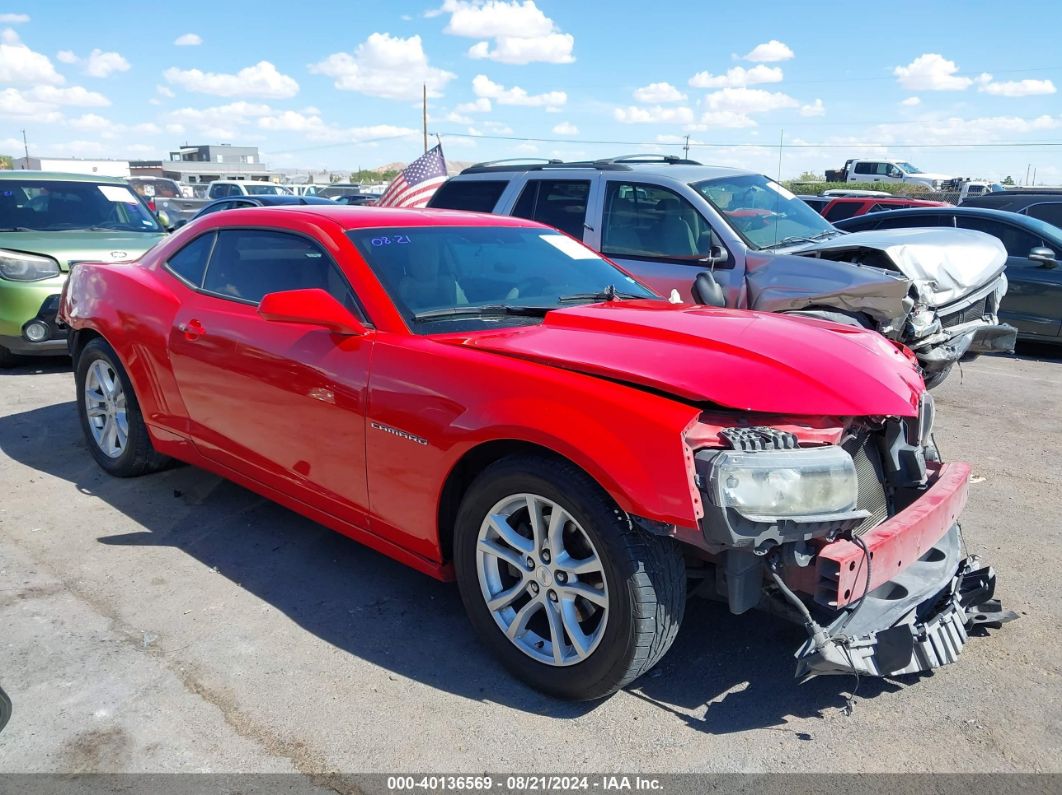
49 222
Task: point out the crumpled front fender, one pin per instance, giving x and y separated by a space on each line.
784 283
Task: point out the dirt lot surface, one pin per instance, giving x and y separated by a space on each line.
180 623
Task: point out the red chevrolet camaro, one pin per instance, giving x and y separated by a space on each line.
486 399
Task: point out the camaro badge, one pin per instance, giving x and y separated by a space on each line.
395 432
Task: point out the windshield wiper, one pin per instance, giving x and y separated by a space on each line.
610 293
491 310
785 241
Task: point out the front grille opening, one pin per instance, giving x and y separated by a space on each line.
870 476
975 311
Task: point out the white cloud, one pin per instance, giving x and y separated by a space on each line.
912 102
14 19
526 148
314 128
90 122
481 105
17 105
723 119
658 114
816 108
566 128
769 52
737 77
485 88
385 66
218 121
1018 88
656 93
97 64
931 72
959 131
456 118
164 91
498 127
21 65
188 40
260 80
103 64
748 100
73 95
521 33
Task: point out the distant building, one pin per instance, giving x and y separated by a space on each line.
210 162
76 165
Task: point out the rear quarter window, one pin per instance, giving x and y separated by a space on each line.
190 262
473 195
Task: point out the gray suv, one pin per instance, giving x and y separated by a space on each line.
729 237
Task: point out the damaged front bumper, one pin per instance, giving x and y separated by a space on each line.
959 331
918 621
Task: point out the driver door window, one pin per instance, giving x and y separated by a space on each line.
649 221
248 264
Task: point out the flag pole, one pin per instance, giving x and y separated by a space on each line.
424 117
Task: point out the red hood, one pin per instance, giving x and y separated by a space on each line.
752 361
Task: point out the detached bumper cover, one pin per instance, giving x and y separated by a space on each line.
917 621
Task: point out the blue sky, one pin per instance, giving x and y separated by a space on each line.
332 84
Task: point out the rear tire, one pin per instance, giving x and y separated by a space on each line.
110 415
636 582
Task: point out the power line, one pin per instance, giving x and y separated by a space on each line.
705 145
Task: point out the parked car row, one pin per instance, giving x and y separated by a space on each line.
491 399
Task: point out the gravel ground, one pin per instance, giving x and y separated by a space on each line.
180 623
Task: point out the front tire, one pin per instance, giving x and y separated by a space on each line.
7 359
110 415
574 599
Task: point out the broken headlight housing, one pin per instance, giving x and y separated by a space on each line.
807 485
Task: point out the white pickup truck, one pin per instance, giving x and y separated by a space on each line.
885 171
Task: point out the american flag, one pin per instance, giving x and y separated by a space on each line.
416 183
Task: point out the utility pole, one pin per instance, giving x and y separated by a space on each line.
781 137
25 148
1034 177
686 149
424 86
1027 167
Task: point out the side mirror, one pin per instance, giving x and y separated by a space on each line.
313 307
1045 256
716 255
707 291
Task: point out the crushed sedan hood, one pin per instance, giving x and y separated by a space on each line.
751 361
946 263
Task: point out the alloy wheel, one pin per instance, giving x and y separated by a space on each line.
542 579
105 408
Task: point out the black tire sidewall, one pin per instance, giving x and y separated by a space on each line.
129 461
592 510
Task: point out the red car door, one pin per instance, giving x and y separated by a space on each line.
282 403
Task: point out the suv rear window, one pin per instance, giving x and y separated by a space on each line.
560 203
473 195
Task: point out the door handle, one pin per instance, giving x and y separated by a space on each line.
193 329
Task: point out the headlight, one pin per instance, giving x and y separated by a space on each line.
21 267
814 482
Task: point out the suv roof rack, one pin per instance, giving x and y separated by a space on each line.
622 163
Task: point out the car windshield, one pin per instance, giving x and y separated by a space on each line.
56 205
266 190
763 213
482 276
909 168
